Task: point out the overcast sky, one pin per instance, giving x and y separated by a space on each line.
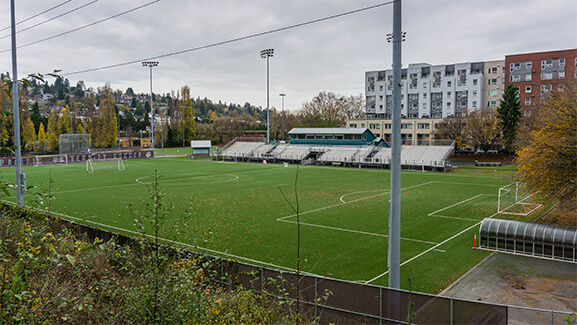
331 55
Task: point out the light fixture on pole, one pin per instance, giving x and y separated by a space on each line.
151 64
265 54
282 111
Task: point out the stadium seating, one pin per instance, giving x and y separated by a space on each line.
430 156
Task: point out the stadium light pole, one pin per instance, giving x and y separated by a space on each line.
151 64
282 112
266 54
20 177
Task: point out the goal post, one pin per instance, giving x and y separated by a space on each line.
89 167
120 164
515 200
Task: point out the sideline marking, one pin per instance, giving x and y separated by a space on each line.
432 248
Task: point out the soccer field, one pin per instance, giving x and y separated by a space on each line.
239 212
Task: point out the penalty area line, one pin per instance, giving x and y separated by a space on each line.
431 249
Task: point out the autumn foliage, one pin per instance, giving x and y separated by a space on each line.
548 160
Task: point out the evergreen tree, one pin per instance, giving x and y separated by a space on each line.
509 114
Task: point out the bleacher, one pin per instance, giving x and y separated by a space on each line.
431 157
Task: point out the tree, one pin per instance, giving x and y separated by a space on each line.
53 130
509 114
330 110
482 129
28 134
107 120
452 128
548 163
186 114
41 137
64 126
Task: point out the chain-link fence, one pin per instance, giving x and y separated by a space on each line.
343 302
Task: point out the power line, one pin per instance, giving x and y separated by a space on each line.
51 19
272 31
45 11
85 26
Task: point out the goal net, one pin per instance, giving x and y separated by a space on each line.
90 165
516 200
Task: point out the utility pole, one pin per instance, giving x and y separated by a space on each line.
394 260
20 177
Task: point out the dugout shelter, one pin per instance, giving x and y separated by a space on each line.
524 238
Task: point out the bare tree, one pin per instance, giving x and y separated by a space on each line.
483 130
330 110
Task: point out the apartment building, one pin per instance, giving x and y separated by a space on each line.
427 91
494 85
537 74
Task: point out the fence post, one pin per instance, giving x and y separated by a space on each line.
380 305
261 280
451 310
316 297
552 317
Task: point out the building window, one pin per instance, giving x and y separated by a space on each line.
448 94
493 103
448 84
381 87
561 74
381 97
353 125
515 77
474 104
388 126
406 126
527 101
503 81
492 81
474 93
528 77
527 113
474 82
449 105
515 66
363 125
529 65
503 70
527 89
546 75
561 87
423 126
546 89
424 95
493 70
424 105
425 85
561 62
546 64
492 93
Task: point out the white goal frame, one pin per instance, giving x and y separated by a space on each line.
518 200
89 167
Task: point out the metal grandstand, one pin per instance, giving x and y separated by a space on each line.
375 155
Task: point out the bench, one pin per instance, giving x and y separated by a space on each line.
487 164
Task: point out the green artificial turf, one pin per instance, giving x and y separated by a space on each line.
240 212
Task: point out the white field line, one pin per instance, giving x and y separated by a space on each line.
457 218
432 248
347 202
358 232
461 183
450 206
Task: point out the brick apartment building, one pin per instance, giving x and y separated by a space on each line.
539 73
